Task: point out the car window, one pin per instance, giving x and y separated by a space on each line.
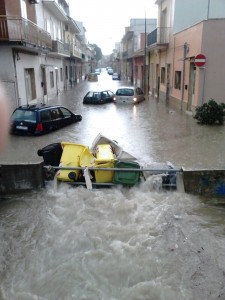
97 96
65 112
24 115
45 116
125 92
89 95
110 93
55 114
104 95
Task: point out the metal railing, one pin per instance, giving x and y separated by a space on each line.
60 47
18 29
159 35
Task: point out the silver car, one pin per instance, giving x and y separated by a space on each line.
130 95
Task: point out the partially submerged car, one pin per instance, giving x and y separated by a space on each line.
98 97
41 119
129 95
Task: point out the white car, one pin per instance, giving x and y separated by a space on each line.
130 95
97 71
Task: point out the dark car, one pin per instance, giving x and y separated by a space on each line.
41 119
98 97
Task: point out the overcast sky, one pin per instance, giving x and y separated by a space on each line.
105 20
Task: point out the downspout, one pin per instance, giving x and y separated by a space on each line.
16 83
183 74
208 10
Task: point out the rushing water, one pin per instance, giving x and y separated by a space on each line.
118 243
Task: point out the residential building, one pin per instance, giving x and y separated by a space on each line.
131 43
182 34
42 50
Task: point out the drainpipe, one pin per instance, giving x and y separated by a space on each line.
208 10
16 80
183 74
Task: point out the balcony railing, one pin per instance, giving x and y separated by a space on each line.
159 35
23 31
75 51
60 48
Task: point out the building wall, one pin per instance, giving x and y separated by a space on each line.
213 46
209 81
188 13
7 75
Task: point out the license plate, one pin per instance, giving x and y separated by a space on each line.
22 127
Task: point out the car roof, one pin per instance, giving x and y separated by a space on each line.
36 107
126 87
98 91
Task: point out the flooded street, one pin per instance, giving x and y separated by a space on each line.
140 243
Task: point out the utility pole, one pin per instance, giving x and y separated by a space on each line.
183 74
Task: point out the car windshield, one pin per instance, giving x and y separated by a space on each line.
24 115
125 92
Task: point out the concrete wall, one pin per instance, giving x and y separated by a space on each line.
21 177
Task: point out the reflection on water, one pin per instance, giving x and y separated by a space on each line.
136 243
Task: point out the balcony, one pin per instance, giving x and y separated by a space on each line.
59 11
24 33
60 49
75 51
159 38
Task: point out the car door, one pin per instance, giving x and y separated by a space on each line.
97 98
67 117
46 120
56 118
104 97
107 96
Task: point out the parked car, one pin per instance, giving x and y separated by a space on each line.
110 71
41 119
97 71
92 77
115 76
98 97
129 94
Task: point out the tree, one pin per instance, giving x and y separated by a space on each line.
98 52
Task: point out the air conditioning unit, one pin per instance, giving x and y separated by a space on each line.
34 1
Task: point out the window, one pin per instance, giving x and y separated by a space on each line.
45 116
104 95
163 71
24 9
30 84
55 114
66 73
51 79
65 112
177 83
